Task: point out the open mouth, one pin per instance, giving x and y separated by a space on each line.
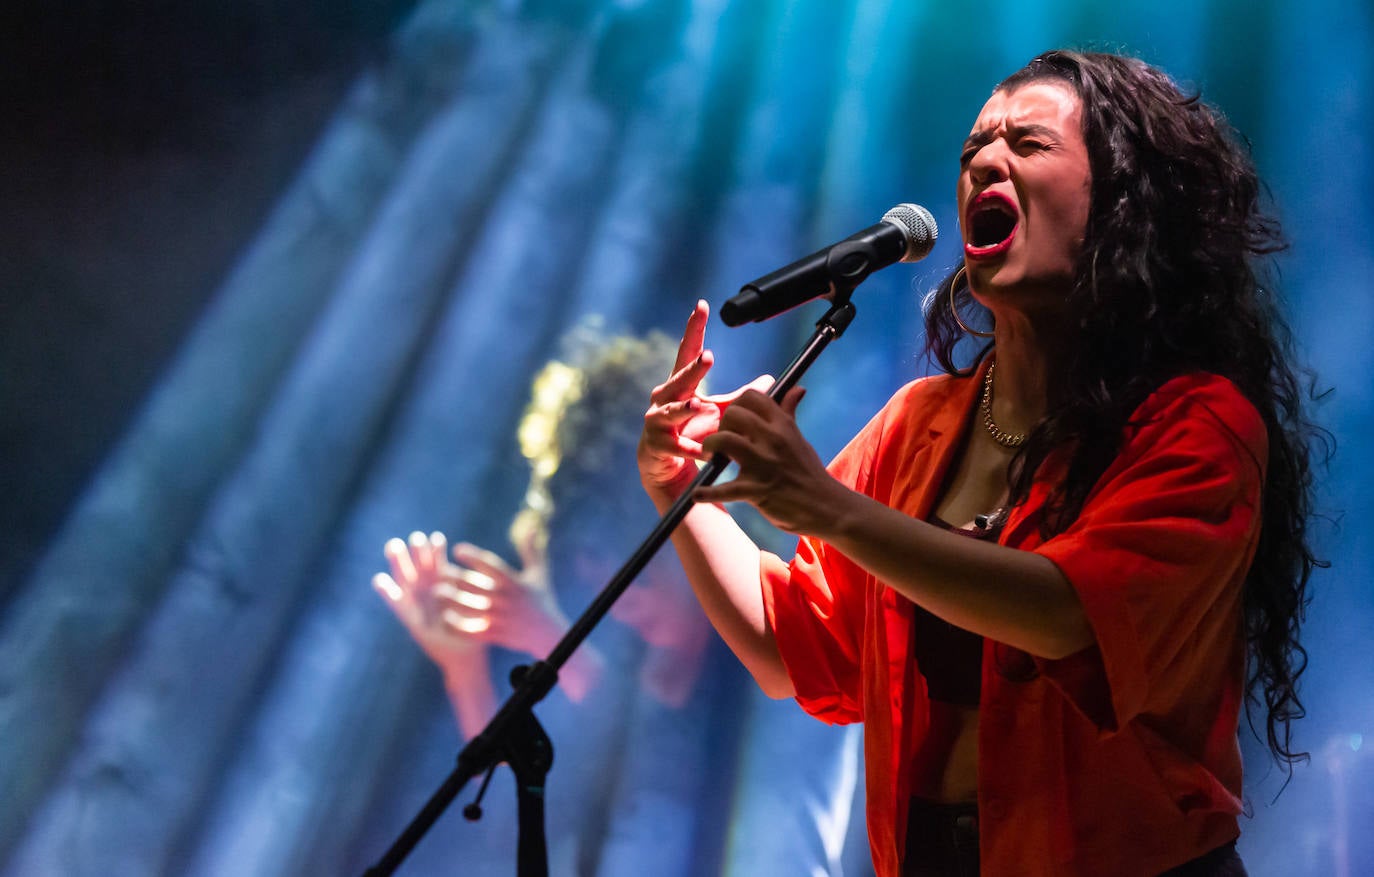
992 224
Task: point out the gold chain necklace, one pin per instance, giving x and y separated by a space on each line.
1005 439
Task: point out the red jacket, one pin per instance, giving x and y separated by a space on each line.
1121 759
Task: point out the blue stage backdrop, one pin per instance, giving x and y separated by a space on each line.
195 674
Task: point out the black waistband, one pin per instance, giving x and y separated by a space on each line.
1223 861
941 840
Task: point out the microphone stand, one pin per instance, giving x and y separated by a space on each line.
514 735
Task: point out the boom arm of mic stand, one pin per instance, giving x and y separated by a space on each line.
509 735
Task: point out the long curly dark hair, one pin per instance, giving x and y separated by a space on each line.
1168 282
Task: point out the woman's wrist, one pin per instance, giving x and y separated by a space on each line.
471 693
846 516
668 492
459 666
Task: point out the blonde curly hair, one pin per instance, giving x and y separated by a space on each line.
582 424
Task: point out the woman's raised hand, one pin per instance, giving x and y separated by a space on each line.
511 608
417 591
479 599
780 473
420 589
679 417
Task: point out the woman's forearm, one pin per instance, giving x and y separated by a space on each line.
722 563
1016 597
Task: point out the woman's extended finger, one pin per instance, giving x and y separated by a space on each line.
469 580
451 596
760 384
751 414
675 413
483 561
683 382
739 490
386 586
438 547
732 444
457 622
693 336
398 556
422 555
401 601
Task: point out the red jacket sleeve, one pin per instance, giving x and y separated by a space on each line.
816 604
1160 552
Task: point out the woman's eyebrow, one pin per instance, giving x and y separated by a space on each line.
982 136
1033 130
978 138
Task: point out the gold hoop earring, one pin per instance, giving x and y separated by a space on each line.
954 309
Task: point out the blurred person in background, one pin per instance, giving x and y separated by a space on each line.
648 738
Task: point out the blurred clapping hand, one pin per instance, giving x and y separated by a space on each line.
454 609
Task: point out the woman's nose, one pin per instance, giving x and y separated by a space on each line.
989 164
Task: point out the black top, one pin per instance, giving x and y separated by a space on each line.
951 658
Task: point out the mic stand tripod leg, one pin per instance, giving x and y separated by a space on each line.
529 752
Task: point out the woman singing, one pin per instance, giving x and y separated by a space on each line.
1047 579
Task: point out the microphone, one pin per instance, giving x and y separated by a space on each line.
906 234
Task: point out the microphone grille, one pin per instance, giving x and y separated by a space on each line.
919 227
